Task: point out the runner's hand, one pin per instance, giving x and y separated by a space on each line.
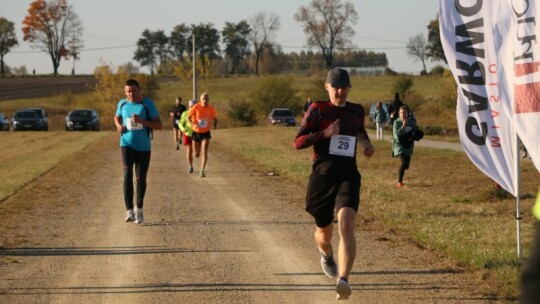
369 150
332 129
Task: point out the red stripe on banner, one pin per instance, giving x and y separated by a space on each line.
526 68
527 98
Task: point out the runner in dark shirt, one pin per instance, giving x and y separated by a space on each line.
176 113
333 129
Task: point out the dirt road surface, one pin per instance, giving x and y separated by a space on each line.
236 236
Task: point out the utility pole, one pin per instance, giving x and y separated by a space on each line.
194 71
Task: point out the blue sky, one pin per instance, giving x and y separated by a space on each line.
113 27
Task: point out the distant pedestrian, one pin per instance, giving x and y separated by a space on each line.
393 109
403 142
380 119
176 113
307 105
135 115
333 129
185 127
201 116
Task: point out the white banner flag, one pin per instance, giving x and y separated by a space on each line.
518 45
485 129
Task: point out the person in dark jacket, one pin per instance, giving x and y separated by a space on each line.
393 109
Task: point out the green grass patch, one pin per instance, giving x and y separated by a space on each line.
27 155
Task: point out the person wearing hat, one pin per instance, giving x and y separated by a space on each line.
334 129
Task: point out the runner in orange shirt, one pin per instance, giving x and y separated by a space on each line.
200 116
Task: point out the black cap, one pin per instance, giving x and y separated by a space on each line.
338 78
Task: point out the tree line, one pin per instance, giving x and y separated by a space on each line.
245 47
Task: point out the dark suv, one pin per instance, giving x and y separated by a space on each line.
43 116
27 120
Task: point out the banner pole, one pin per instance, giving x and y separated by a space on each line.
517 180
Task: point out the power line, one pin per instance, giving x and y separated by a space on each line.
82 50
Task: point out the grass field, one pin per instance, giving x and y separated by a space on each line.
427 98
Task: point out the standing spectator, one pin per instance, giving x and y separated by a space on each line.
333 128
403 144
200 116
380 120
135 116
308 103
187 132
176 113
393 109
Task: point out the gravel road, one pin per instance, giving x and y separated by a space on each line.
236 236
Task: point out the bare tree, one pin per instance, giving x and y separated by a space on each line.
49 26
328 25
263 27
75 45
417 49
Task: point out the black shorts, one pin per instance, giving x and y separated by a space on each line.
325 195
175 123
198 137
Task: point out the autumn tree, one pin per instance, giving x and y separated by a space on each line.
235 38
417 49
328 25
50 26
263 27
7 40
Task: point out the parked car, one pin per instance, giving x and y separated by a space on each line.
43 116
282 116
82 119
27 120
4 123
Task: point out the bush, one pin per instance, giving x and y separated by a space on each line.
243 112
437 70
275 92
402 85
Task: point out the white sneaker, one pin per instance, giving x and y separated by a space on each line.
139 218
343 289
130 216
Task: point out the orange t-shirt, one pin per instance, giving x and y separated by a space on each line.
201 117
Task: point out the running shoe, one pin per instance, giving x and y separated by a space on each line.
177 147
399 185
130 216
202 174
343 289
190 169
329 265
139 218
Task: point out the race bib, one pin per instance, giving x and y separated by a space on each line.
132 125
203 123
342 145
176 122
